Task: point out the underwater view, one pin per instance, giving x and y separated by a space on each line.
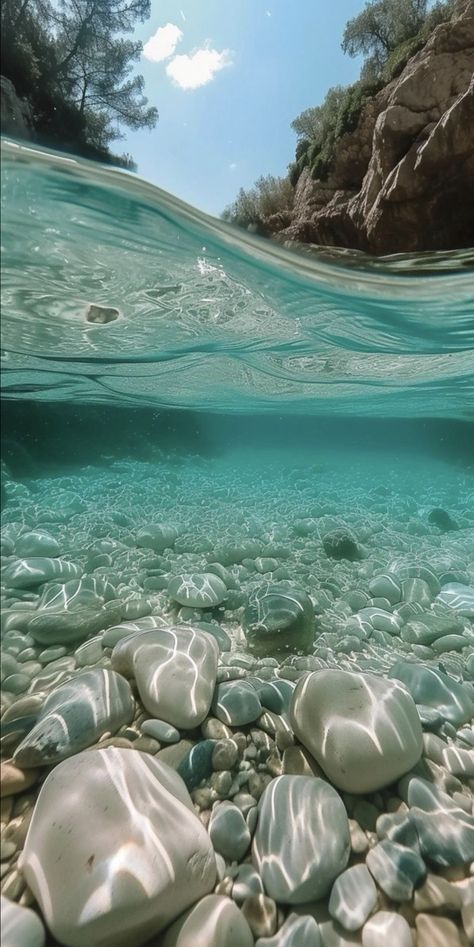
237 607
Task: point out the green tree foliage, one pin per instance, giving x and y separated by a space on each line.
73 62
380 28
269 195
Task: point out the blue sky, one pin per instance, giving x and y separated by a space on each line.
228 77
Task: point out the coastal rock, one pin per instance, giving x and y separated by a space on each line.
278 618
75 715
175 669
302 839
366 738
121 825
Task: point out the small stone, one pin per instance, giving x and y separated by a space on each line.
247 882
228 831
197 590
261 913
437 893
278 617
397 869
387 929
14 780
342 544
160 730
236 703
437 932
353 897
215 921
196 765
225 755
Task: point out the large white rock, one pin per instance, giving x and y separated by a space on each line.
363 730
114 851
175 669
302 840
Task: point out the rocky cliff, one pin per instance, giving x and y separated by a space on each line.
16 115
403 180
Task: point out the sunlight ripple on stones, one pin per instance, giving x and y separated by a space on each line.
158 658
144 858
365 740
302 838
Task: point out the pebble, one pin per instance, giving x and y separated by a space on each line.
122 825
353 897
14 780
397 870
236 703
228 831
278 617
246 883
302 839
160 730
261 913
387 929
215 921
437 932
432 688
197 590
225 755
196 764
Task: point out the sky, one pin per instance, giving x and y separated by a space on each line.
228 77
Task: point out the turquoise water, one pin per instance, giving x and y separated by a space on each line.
270 453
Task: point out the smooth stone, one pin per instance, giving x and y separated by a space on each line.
214 922
445 831
14 780
90 652
261 913
427 628
442 519
297 931
35 570
353 897
36 543
278 618
367 738
386 929
160 730
21 927
236 703
225 755
432 688
417 590
437 932
397 870
459 597
90 591
196 765
437 893
157 537
197 590
121 825
386 586
228 831
450 643
64 627
247 882
221 636
175 669
302 839
75 715
114 634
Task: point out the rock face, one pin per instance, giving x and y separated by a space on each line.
403 180
121 825
16 114
367 738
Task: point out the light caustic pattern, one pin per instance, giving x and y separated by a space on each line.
206 316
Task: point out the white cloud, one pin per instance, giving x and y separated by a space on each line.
163 43
198 68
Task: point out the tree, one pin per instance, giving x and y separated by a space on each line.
380 28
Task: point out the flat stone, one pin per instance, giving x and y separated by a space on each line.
21 927
31 571
197 590
229 832
353 897
122 825
302 839
367 738
397 870
427 628
459 597
75 715
236 703
215 921
160 730
65 627
175 669
433 688
124 629
386 928
36 543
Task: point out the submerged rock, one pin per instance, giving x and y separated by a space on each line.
362 730
342 544
278 618
432 688
197 590
121 825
